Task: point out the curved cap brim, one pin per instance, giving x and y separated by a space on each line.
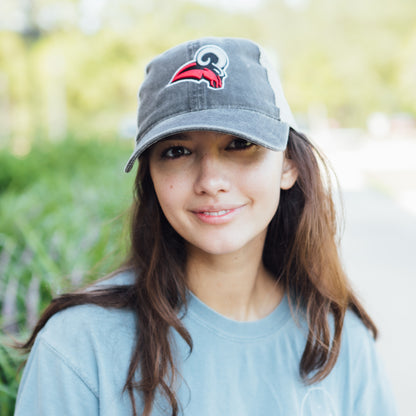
243 123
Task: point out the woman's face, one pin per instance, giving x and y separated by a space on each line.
219 192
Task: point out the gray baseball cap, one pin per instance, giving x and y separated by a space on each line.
221 84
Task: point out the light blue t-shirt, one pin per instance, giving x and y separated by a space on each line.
79 363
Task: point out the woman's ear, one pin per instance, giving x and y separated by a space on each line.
289 174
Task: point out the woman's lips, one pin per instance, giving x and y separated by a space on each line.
217 215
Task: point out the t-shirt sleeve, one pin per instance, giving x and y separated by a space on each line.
50 386
373 393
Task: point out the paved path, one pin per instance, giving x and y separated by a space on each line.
378 178
379 252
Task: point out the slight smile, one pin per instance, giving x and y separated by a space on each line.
216 213
216 216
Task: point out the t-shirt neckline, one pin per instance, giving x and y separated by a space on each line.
241 330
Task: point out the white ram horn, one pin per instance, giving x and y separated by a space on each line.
217 51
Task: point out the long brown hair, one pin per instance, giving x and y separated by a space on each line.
300 251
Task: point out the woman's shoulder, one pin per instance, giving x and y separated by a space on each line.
355 333
86 348
121 278
359 350
89 326
359 356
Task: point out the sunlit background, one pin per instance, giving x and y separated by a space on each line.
69 75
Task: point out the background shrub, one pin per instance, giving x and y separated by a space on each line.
63 213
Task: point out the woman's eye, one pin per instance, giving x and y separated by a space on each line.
175 152
239 144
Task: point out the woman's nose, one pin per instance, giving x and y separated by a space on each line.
212 176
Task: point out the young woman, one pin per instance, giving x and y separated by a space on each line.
233 300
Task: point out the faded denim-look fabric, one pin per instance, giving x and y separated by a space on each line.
220 84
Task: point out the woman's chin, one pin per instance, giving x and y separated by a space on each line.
221 247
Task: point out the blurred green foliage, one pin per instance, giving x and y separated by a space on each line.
63 219
61 211
9 362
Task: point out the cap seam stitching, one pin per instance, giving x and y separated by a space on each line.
261 58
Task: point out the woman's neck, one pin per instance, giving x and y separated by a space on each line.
236 285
